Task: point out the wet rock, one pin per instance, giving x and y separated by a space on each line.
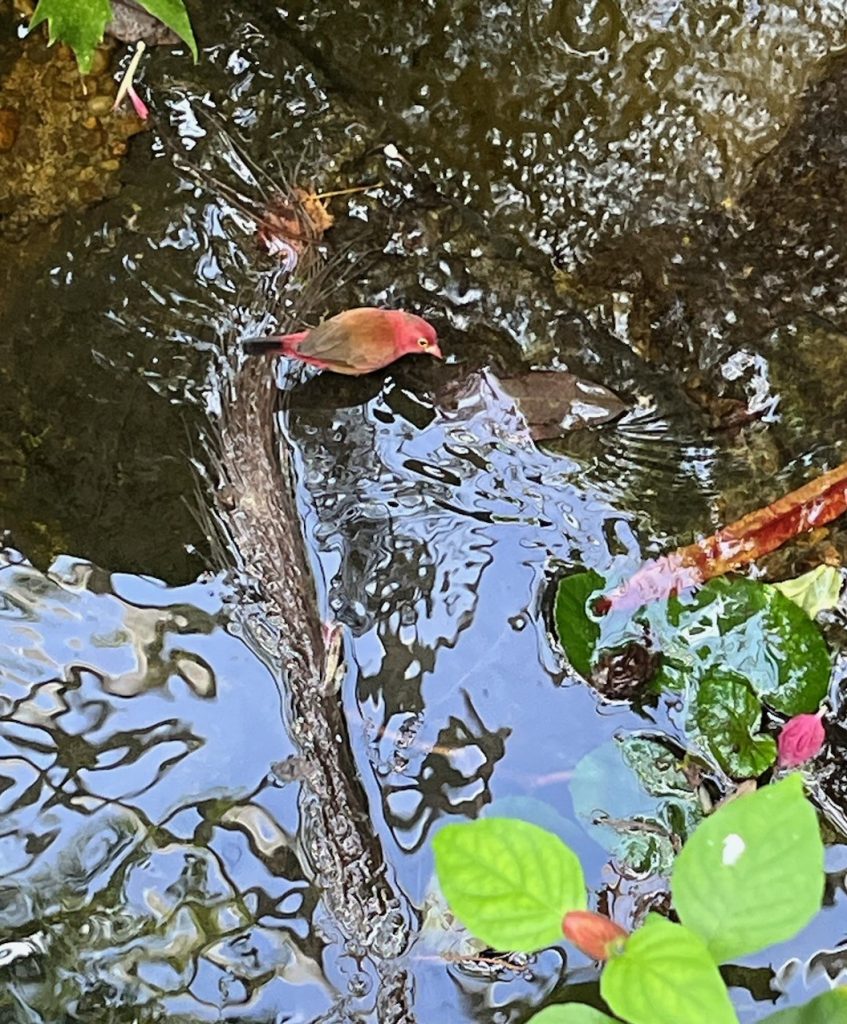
131 23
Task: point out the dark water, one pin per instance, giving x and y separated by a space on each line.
649 194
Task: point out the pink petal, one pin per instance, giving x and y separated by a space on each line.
138 104
801 738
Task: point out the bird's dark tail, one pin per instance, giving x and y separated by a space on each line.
261 346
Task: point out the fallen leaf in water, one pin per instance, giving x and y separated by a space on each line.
545 404
754 535
291 222
553 403
815 591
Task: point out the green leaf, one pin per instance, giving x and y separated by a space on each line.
752 873
173 14
631 795
830 1008
571 1013
79 23
665 976
509 882
752 629
578 632
815 591
729 714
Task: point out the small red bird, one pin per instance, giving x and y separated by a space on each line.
354 342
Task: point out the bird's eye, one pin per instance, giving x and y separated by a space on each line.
423 342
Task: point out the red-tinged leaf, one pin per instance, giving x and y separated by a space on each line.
754 535
594 934
801 739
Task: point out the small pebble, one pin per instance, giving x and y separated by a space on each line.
100 61
100 104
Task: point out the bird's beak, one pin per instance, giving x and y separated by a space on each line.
436 351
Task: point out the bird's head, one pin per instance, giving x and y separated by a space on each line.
418 336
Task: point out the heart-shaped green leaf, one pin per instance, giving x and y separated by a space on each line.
749 628
752 873
577 630
665 976
508 881
571 1013
728 715
829 1008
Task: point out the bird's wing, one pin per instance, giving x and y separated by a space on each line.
331 340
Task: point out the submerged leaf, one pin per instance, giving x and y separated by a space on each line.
751 629
815 591
632 797
728 715
553 403
578 632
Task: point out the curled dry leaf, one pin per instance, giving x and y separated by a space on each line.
291 222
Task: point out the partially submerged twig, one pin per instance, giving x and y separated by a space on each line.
749 538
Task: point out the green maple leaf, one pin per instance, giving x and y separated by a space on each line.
79 23
173 14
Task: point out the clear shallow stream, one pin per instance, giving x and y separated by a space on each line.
649 194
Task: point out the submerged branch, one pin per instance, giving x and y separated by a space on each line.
742 542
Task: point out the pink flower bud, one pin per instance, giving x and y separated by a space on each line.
801 738
594 934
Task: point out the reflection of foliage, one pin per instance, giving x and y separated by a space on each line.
144 872
452 778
